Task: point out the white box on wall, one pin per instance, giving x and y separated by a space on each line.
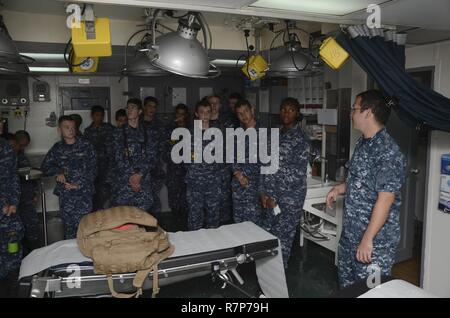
327 116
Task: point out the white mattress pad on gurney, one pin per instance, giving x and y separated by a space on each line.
270 270
396 289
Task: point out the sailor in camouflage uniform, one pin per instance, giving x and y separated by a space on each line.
99 134
203 191
134 157
371 229
221 121
230 113
246 176
287 187
158 135
73 162
11 228
176 172
29 191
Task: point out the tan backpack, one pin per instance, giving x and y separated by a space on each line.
121 240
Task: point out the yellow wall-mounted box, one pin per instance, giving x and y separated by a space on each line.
257 67
333 54
100 46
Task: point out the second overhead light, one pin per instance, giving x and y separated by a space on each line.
180 52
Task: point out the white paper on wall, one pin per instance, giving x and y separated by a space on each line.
146 91
178 96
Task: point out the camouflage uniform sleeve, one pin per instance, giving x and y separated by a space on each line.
50 164
9 180
391 174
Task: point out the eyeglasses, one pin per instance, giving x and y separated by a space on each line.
353 108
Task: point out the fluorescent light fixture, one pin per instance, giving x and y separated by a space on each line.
45 56
332 7
224 62
49 69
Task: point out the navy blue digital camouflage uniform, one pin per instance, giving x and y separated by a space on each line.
288 187
78 164
134 152
101 139
157 135
203 191
176 173
377 166
246 203
226 206
27 209
10 226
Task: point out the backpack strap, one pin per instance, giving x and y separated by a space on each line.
141 275
155 281
115 294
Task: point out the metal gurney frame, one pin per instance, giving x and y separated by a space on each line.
198 253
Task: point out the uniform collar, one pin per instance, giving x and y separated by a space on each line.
293 129
374 138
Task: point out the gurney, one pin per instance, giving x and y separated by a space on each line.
60 270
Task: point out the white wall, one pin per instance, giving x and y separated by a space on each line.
43 137
436 254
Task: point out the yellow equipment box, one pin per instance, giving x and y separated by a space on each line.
257 67
99 46
333 54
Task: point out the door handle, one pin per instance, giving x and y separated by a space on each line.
414 171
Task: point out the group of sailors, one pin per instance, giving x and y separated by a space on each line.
129 163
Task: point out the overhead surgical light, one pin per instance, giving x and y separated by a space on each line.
180 52
295 61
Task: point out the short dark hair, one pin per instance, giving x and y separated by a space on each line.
291 101
202 103
135 101
97 109
151 99
22 134
121 113
182 106
77 119
66 118
241 103
374 100
235 95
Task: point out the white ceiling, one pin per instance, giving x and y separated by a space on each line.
420 13
424 14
